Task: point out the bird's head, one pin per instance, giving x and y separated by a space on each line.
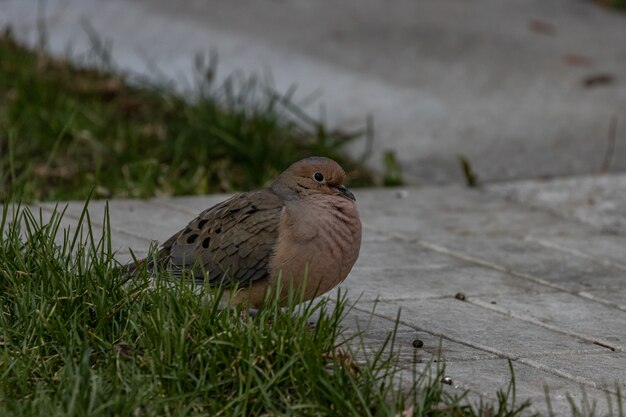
313 175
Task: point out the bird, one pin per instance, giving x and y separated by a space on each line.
304 230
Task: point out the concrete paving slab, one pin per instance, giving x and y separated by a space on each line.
421 213
595 200
135 224
138 223
480 328
434 281
457 210
604 248
607 371
393 252
156 222
522 90
535 262
565 313
374 331
69 224
482 390
192 206
483 376
487 230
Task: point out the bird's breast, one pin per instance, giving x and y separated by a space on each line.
321 236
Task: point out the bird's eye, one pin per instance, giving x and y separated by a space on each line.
319 177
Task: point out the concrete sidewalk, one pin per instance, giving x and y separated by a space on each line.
542 266
523 89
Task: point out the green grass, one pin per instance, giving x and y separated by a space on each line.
77 338
65 130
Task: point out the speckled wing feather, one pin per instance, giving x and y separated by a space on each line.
232 241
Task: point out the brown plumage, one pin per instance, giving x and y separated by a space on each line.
305 224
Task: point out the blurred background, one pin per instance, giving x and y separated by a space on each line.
408 91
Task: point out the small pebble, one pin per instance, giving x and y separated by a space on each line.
447 380
418 343
402 194
460 296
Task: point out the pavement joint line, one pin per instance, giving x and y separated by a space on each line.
592 297
434 357
575 252
585 294
597 341
388 268
449 296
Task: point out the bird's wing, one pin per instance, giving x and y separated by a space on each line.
232 241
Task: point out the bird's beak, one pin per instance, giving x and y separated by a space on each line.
345 192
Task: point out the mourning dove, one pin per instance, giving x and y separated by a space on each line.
306 224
